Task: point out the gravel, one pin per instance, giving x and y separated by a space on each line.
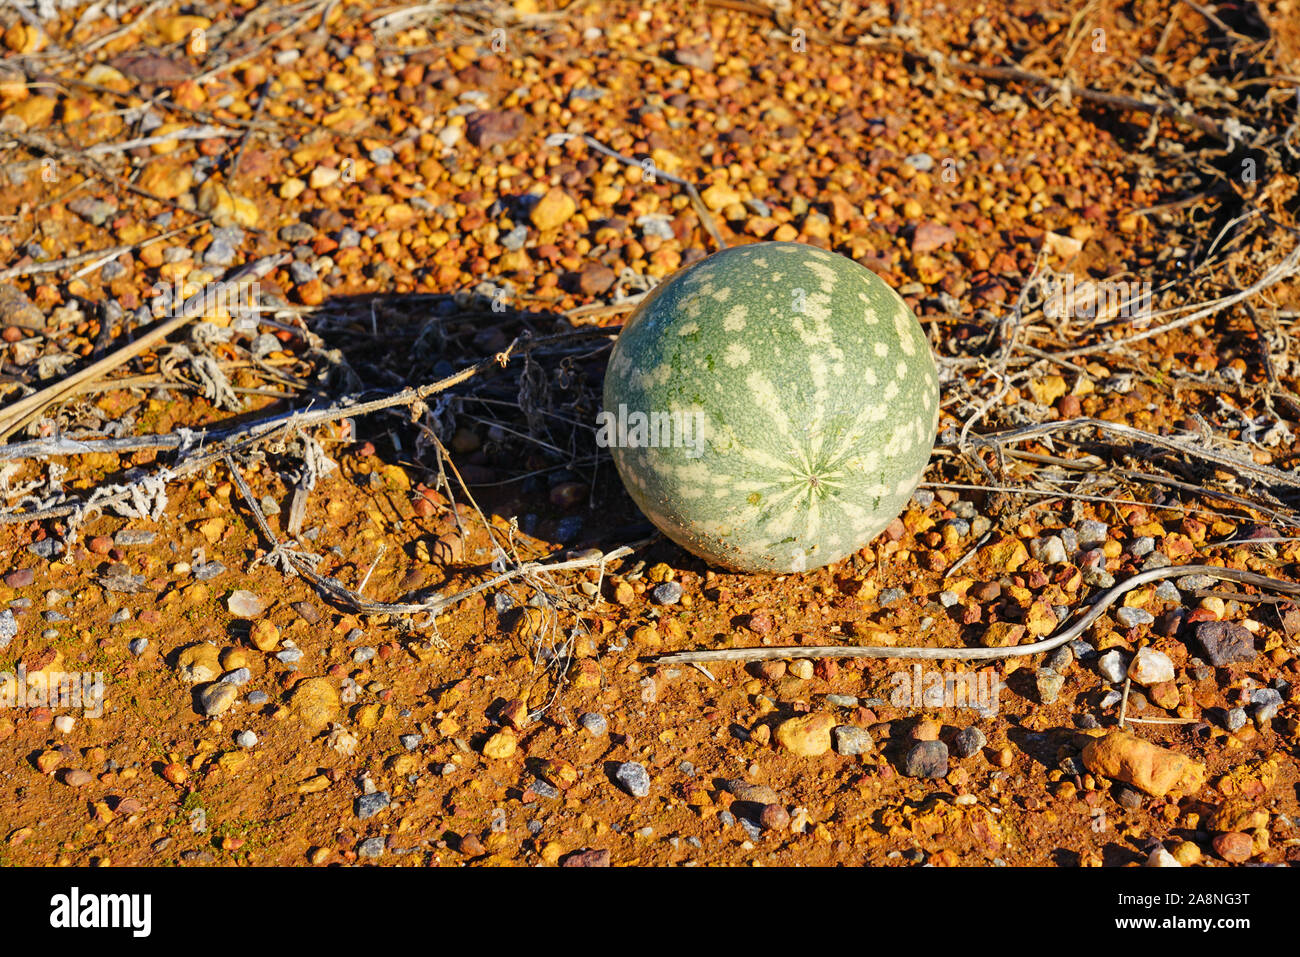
851 740
666 593
368 805
968 742
1091 533
1225 642
595 724
633 778
1112 666
1049 684
1134 617
926 759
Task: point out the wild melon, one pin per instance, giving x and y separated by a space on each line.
772 407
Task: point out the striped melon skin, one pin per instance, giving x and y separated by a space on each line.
815 397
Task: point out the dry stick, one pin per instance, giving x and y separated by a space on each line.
1138 435
56 264
18 412
705 216
1065 636
63 445
39 143
193 133
1285 269
333 587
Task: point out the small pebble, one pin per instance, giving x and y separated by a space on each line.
368 805
246 739
666 593
138 646
634 778
969 741
1049 685
1111 666
851 740
926 759
244 604
595 724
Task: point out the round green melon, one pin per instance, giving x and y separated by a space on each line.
772 407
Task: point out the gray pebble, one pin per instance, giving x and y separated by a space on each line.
1134 617
127 537
381 156
1142 546
949 598
237 677
208 570
634 778
595 723
217 698
8 628
1235 719
1049 685
368 805
969 741
1266 702
926 759
363 654
1168 591
514 239
921 162
841 701
667 593
119 616
46 548
545 789
1054 551
138 646
411 741
219 253
850 740
257 698
1098 578
1091 532
1112 666
246 739
891 595
1060 659
371 847
1082 650
289 655
1156 560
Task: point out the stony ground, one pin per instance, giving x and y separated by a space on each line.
422 174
